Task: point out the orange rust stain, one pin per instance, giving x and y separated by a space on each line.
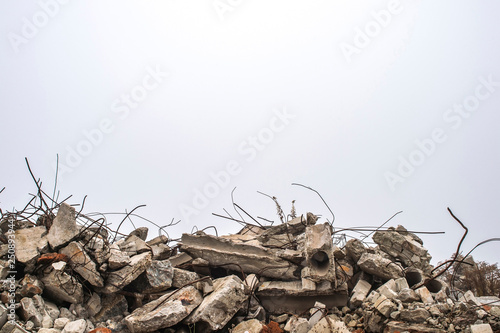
50 258
272 327
101 330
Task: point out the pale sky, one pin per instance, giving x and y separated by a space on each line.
381 106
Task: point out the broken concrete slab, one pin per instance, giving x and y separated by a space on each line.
61 286
157 277
139 245
354 248
63 229
164 312
329 324
360 292
236 256
117 259
249 326
81 263
161 251
118 279
30 243
221 305
318 249
141 233
399 326
379 266
418 315
112 305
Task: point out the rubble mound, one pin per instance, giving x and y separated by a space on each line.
62 277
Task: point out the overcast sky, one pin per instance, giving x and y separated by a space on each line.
379 105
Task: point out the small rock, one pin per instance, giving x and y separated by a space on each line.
63 229
77 326
249 326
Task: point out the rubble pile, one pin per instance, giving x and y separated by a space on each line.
68 278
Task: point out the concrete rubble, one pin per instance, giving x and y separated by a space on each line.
70 278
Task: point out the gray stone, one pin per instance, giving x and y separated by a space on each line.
425 295
77 326
318 249
49 330
118 279
329 324
408 295
82 264
297 325
397 327
4 269
141 233
359 292
418 315
385 306
93 305
161 251
63 229
3 314
52 310
388 289
181 277
229 295
12 327
249 258
134 244
377 265
30 242
180 259
112 305
481 328
157 277
249 326
59 323
354 248
164 312
317 312
117 259
28 311
61 286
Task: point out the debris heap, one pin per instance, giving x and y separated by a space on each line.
59 276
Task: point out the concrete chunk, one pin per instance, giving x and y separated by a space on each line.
359 292
318 249
251 259
249 326
81 263
122 277
377 265
30 242
117 259
61 286
77 326
481 328
229 295
164 312
63 229
157 277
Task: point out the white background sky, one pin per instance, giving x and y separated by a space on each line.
355 116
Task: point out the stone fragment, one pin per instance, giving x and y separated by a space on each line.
3 315
329 324
77 326
11 327
59 323
398 327
317 312
134 244
93 305
221 305
408 295
63 229
117 259
359 292
418 315
481 328
297 325
52 310
180 259
425 295
30 242
98 249
28 311
61 286
181 277
161 251
82 264
249 326
30 286
65 313
385 306
354 248
118 279
157 277
250 259
399 244
318 249
401 284
470 299
164 312
141 233
112 305
4 269
49 330
377 265
388 289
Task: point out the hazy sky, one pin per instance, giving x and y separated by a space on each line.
381 106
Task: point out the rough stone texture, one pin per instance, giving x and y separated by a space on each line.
354 248
408 295
425 295
77 326
398 327
182 277
418 315
377 265
139 245
318 249
385 306
249 326
141 232
359 292
481 328
157 277
112 305
220 306
251 259
10 327
81 263
61 286
122 277
166 311
401 245
329 324
28 311
93 305
30 242
63 229
117 258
